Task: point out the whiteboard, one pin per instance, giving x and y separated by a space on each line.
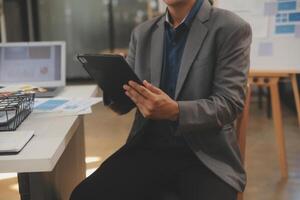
276 32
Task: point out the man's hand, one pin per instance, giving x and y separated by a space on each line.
152 102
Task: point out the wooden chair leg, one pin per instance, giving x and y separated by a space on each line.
242 124
277 117
260 97
240 196
269 109
296 95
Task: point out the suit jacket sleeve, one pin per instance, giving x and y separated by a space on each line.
228 89
116 106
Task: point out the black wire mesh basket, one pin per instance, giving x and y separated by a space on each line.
14 109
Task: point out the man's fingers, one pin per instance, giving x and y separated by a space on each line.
141 89
131 93
134 95
151 87
131 97
122 54
139 105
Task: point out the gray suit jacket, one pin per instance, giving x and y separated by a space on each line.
210 88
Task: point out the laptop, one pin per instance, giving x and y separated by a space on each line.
41 64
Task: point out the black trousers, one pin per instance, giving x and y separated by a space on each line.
144 173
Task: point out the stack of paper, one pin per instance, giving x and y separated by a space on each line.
64 106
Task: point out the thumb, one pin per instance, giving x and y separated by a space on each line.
151 87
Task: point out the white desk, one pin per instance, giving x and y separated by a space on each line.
53 162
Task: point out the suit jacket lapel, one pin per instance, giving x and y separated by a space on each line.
196 37
194 42
157 51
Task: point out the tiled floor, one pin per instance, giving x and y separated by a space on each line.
106 132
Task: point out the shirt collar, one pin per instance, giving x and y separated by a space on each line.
190 16
168 18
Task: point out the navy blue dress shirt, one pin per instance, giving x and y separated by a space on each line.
161 132
174 43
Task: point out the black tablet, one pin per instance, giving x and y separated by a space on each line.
110 72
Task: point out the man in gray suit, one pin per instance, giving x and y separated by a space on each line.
194 60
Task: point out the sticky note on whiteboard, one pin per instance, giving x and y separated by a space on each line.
285 29
265 49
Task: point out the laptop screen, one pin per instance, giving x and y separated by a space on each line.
30 63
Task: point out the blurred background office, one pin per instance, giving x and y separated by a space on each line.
86 26
95 26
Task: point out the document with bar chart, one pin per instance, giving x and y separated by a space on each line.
276 31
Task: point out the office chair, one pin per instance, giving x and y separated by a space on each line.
241 129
